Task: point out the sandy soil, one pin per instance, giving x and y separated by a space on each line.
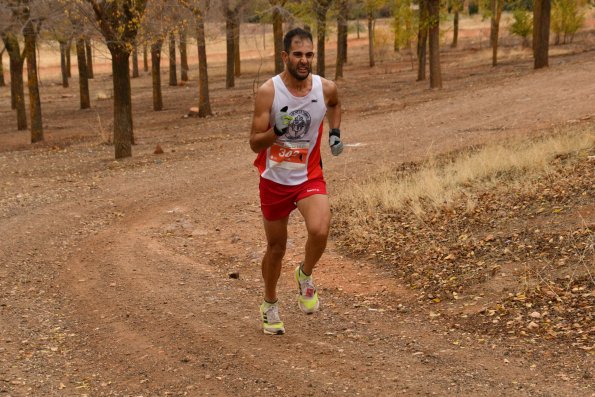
114 278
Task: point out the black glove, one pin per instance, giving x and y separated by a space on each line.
334 140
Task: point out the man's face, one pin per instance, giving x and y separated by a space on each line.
300 57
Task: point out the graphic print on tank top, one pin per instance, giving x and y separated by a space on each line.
291 152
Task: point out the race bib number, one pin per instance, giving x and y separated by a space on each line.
288 155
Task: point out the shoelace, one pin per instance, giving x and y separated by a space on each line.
272 315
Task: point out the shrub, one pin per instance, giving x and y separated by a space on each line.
566 19
522 25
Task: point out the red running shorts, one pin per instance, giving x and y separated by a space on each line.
277 201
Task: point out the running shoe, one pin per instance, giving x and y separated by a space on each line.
271 323
308 296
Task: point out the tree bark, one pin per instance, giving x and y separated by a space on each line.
135 72
278 38
89 55
496 6
123 128
83 77
33 83
236 45
2 81
184 54
156 74
422 40
371 39
341 38
68 57
63 45
17 89
173 73
229 47
322 7
434 39
541 33
145 58
455 30
204 104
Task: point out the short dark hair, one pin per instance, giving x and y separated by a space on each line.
299 32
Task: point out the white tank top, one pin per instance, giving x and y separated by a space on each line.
294 158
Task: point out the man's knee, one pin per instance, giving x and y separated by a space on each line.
319 231
276 249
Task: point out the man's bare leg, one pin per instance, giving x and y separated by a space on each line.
317 214
276 234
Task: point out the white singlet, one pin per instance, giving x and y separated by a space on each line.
294 158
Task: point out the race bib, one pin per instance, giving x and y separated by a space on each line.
289 155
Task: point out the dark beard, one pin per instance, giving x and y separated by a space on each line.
295 74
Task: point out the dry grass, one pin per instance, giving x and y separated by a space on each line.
438 183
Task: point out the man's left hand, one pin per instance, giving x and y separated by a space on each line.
334 141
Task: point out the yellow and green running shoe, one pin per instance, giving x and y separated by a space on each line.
271 323
308 296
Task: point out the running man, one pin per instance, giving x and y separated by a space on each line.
287 129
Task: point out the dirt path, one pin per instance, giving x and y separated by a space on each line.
115 275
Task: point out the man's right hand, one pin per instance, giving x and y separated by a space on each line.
282 121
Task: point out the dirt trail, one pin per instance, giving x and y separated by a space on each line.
115 275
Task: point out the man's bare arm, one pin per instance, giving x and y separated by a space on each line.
333 104
262 135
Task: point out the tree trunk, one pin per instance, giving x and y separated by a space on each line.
156 74
83 80
371 39
322 7
173 73
455 30
17 89
204 105
68 57
422 40
230 49
341 38
2 81
496 6
123 128
89 54
63 45
397 28
434 36
184 54
135 72
145 58
32 83
278 38
236 45
541 32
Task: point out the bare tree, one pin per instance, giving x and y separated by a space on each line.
434 43
30 34
321 8
199 9
541 32
496 11
156 74
89 57
119 23
17 89
2 81
184 68
81 57
135 72
231 10
173 74
277 6
342 14
422 40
